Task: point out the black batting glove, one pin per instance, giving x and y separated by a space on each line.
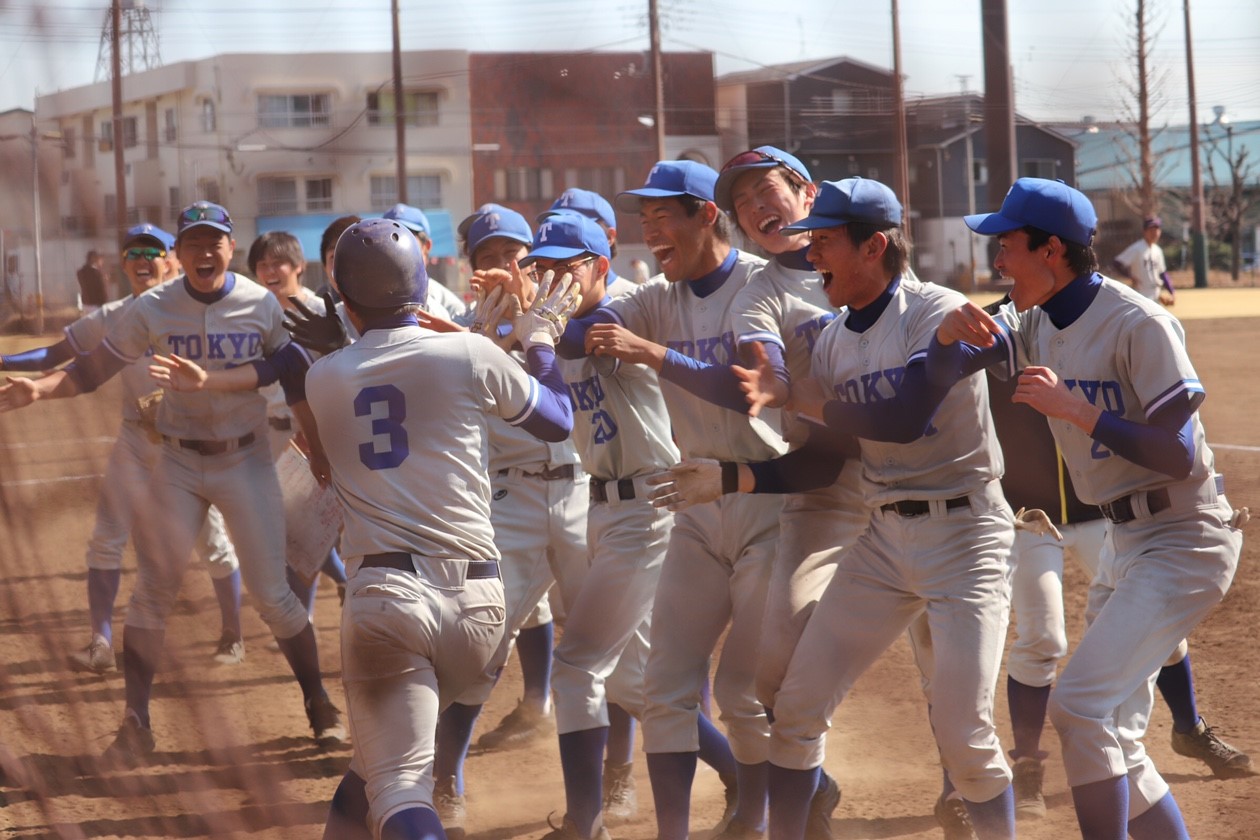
320 333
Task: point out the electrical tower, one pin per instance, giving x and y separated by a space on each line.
137 40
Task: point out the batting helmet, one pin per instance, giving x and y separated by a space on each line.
379 264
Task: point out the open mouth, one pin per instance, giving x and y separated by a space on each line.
770 224
205 272
827 277
664 254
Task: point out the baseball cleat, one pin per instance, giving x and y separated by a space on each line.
951 815
621 802
231 651
739 830
519 727
821 807
1226 761
731 794
131 745
1030 804
450 807
325 721
97 657
567 830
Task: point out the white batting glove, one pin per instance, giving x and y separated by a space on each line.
545 321
492 307
692 482
1037 522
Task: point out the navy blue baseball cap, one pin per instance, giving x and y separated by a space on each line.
850 200
412 218
493 220
148 231
204 214
762 157
1051 206
566 235
592 205
670 178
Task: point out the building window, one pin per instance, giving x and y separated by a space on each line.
319 195
523 183
423 191
979 172
1039 168
67 140
208 190
420 107
605 180
207 116
294 110
841 101
168 132
277 196
172 201
130 134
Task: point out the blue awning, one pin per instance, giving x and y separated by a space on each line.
309 229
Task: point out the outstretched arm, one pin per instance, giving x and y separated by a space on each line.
40 358
21 392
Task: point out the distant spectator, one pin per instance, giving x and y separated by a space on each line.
639 271
1142 264
92 294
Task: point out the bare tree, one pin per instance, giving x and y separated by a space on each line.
1144 99
1231 197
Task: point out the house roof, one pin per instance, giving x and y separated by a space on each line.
794 69
949 128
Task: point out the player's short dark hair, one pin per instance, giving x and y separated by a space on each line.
1080 258
276 245
333 232
896 255
692 205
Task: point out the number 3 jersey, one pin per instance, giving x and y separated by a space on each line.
403 415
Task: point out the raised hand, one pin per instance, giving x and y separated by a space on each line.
691 482
321 333
545 321
177 373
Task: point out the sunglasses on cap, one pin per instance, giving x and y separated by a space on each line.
143 253
198 213
754 156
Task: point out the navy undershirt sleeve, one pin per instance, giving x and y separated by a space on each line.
552 418
901 419
572 344
41 358
712 383
815 465
948 363
1165 444
90 370
774 354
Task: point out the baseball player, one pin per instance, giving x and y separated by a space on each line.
718 562
622 432
276 259
1142 264
1036 478
211 454
1109 370
940 531
539 494
131 461
441 301
593 206
424 611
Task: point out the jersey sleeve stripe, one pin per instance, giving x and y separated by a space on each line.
111 348
531 403
78 349
766 336
1185 386
916 356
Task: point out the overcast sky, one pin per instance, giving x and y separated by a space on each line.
1070 57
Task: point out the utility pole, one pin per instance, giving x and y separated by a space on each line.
120 168
658 77
971 179
400 129
901 179
39 264
1198 243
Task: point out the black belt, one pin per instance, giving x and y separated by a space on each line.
564 472
402 562
281 424
1121 510
212 447
918 507
623 487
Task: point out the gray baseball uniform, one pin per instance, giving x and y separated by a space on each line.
939 539
1173 552
718 563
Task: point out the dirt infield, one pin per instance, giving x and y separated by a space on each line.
234 755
